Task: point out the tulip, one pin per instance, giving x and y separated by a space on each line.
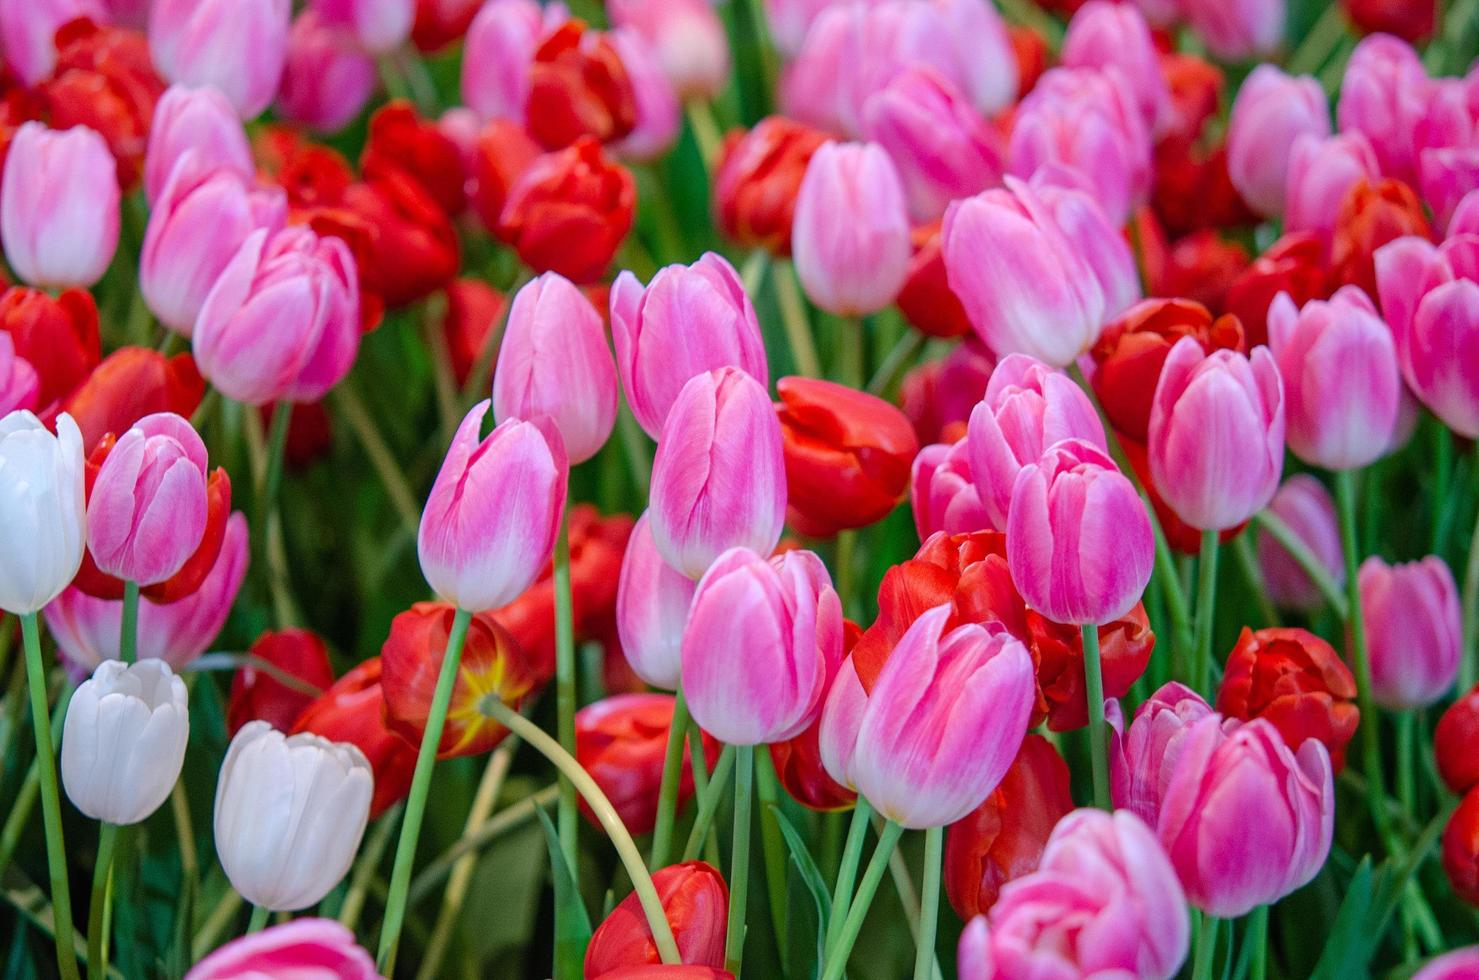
757 179
943 492
1461 849
498 155
1272 111
1199 267
1003 838
1295 264
237 46
58 206
926 299
1105 36
87 629
695 902
1295 681
942 147
1371 215
474 310
1322 170
379 26
838 725
1240 29
689 40
402 142
1218 483
18 381
510 488
1431 300
326 79
1341 386
1454 739
688 320
497 54
578 87
651 610
1101 244
1305 506
569 211
658 115
799 762
41 496
789 20
553 361
28 31
282 320
289 815
1106 874
943 722
621 741
1414 630
123 743
303 945
257 695
852 267
197 120
1385 94
441 22
57 336
1447 177
1144 759
848 455
1457 965
938 396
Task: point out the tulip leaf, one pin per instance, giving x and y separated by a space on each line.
807 929
573 934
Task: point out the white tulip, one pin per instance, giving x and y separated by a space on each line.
41 510
290 812
124 740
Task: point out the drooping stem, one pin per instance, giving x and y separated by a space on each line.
102 896
672 778
1345 498
405 852
1308 562
929 903
258 920
565 696
838 954
1206 611
847 872
795 320
51 804
128 634
708 803
739 873
1094 693
1206 947
1258 939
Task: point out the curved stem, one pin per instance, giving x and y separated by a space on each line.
1345 498
352 410
701 786
858 911
894 362
1300 552
1206 611
277 439
795 320
1094 694
565 697
929 908
128 634
102 896
626 849
847 872
739 873
672 773
708 803
258 920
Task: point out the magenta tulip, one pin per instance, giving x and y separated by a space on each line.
1385 94
59 206
842 717
1114 36
490 522
19 383
688 37
718 478
943 492
1144 759
378 26
1414 629
198 120
28 32
326 80
764 682
1322 169
659 117
1448 176
1461 964
652 601
1305 506
1237 30
1272 111
236 46
310 949
497 54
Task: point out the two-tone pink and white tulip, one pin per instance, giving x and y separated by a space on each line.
59 206
1271 112
1322 170
1103 36
327 80
1237 30
842 716
652 600
43 506
943 493
497 52
1305 507
324 943
689 39
1386 95
236 46
1414 630
200 121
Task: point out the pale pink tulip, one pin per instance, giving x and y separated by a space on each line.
1104 35
689 39
1414 629
1271 112
1322 169
237 46
1305 506
202 122
378 26
59 206
652 601
943 493
28 32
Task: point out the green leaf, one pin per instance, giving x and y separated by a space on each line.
1355 934
575 921
808 926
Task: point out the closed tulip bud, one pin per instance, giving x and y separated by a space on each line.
1385 94
352 710
1238 30
289 815
1078 538
59 206
943 492
578 87
1458 965
1027 408
28 32
1305 506
652 609
1322 170
1272 111
758 177
197 120
1105 35
695 902
689 40
568 212
1003 838
1461 849
123 743
852 267
848 455
943 722
326 79
1456 743
379 26
257 695
41 496
658 115
553 361
301 945
236 46
1414 629
510 487
1213 484
19 383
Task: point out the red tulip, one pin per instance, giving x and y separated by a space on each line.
474 310
1199 267
696 903
569 212
578 87
440 22
1372 214
926 299
758 178
1196 93
1461 849
1193 189
938 396
130 383
1456 743
413 246
400 141
1295 265
58 336
798 761
501 154
1411 20
258 695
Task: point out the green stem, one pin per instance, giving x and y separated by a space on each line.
1468 669
1206 947
894 362
128 635
1094 693
1206 612
1257 938
739 874
405 852
754 270
929 907
258 920
705 131
1248 561
51 804
701 783
565 697
837 955
1406 755
672 778
636 448
1345 498
282 418
1319 43
102 896
504 821
773 846
1442 483
351 409
1282 533
795 320
847 871
708 803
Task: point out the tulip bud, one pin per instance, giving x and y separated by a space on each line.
688 320
695 902
1217 483
553 360
943 491
1238 30
689 40
289 815
1455 740
1305 506
352 710
497 54
57 336
327 79
302 944
19 383
757 180
58 206
379 26
1414 630
1269 115
1104 36
569 212
1322 170
578 88
41 493
257 695
658 116
651 610
1386 95
852 267
236 46
197 120
28 32
722 426
124 740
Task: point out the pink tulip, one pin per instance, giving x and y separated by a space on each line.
146 513
305 949
1465 216
1322 169
943 722
87 629
943 493
1238 30
554 361
19 383
1305 506
1386 95
719 478
659 117
1096 239
1103 902
59 206
1104 35
789 20
942 147
688 320
198 224
326 80
1414 630
378 26
1430 295
1217 434
1447 176
842 717
198 120
690 42
763 683
497 53
1079 542
1087 121
282 320
1144 759
1461 964
853 267
28 32
1027 408
983 47
652 601
490 522
237 46
1341 385
1272 111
